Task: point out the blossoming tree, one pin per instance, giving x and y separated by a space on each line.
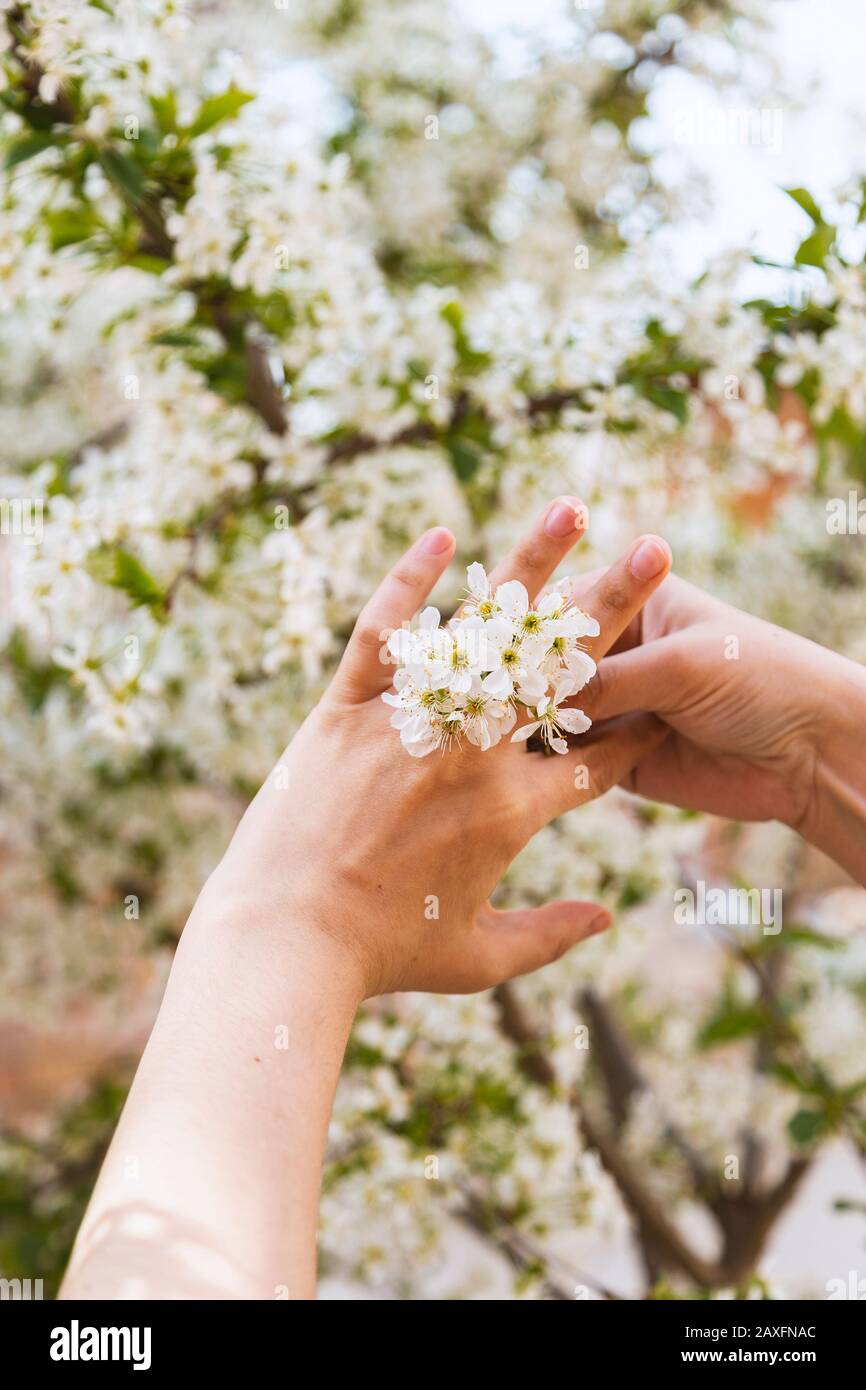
282 284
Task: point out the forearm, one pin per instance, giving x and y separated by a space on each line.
836 817
210 1188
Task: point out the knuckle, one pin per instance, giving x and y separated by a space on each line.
561 946
369 635
678 663
629 781
529 810
600 690
532 556
599 783
510 819
617 595
406 576
597 774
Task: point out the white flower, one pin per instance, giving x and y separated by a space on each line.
49 87
513 600
507 667
552 721
419 733
565 618
463 655
480 598
425 717
469 678
565 625
581 666
415 649
486 720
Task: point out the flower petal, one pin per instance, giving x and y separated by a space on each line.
498 684
563 686
401 645
574 721
532 687
582 624
479 585
550 604
525 731
582 667
513 598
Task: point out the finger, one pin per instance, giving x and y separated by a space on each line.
363 671
580 585
669 773
681 773
621 592
601 760
514 943
536 555
651 677
631 636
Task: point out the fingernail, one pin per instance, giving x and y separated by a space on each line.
437 541
600 923
567 514
649 559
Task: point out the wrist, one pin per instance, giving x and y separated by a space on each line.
835 816
258 947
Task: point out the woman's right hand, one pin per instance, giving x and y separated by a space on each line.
766 724
355 867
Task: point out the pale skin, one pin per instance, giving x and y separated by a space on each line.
765 725
210 1188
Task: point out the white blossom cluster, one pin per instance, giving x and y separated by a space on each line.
499 655
398 243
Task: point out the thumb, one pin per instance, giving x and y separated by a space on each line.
525 939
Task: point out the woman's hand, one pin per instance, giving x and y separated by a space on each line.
391 859
765 724
357 869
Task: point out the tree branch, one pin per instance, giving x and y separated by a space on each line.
744 1218
521 1252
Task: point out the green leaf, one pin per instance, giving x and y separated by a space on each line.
131 576
807 1126
154 265
67 226
803 198
465 460
214 110
35 680
164 109
791 1077
849 1204
26 146
814 250
470 361
666 398
805 936
123 173
121 570
731 1023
